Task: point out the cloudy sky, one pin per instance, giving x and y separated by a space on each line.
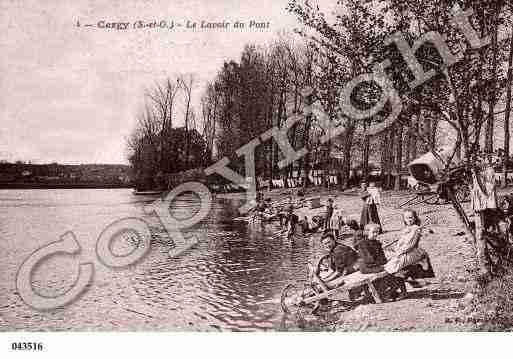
70 94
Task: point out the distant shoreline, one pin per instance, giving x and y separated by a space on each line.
23 185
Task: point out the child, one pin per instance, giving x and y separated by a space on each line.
371 260
329 214
370 251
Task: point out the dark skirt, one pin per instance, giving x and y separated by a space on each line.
370 214
415 271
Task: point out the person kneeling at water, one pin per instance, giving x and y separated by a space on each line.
339 260
291 221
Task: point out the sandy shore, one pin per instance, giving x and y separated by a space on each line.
444 302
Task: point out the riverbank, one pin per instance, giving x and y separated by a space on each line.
232 279
448 302
444 301
32 185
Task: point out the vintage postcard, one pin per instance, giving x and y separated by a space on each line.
255 166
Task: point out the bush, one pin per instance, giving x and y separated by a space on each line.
495 304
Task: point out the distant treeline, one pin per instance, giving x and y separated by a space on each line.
157 147
54 175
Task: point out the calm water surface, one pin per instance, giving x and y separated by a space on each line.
231 280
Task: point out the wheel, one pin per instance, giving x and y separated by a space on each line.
435 200
462 193
313 304
287 299
292 298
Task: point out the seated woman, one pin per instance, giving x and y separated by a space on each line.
370 252
408 260
372 259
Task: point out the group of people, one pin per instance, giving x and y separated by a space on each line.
406 261
371 198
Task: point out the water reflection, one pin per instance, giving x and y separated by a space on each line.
231 280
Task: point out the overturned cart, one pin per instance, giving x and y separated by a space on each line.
311 296
435 169
374 287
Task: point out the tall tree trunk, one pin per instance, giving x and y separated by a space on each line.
415 132
427 133
277 123
398 157
346 163
390 156
508 113
269 148
407 145
493 100
489 128
306 159
384 156
365 162
432 137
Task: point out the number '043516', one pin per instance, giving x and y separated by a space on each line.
27 346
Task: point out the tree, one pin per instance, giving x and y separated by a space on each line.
154 147
259 92
186 83
209 108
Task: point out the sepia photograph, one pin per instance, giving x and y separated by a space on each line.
255 166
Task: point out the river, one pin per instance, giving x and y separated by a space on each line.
231 280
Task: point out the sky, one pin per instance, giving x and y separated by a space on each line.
70 94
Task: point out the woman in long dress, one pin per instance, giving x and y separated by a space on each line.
407 250
369 210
